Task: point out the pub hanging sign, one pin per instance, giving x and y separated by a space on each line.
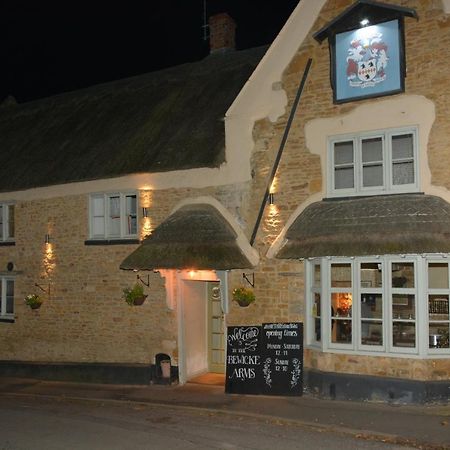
367 50
368 62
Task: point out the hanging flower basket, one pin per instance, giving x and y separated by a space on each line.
243 296
134 296
33 301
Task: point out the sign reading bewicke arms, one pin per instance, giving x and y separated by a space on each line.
265 359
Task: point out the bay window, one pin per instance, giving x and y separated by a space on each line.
381 304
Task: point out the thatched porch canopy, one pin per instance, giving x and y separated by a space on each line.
196 236
390 224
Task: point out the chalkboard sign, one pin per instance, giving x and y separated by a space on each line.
282 358
243 375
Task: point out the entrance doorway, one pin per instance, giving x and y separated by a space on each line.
202 324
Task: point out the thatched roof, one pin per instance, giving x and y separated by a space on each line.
161 121
390 224
195 236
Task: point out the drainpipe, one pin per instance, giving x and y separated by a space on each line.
280 149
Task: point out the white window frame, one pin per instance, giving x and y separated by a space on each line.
6 232
388 187
3 299
123 228
420 291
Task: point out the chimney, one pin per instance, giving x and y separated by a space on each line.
221 33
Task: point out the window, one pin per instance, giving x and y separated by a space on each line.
6 298
6 222
377 163
387 304
113 216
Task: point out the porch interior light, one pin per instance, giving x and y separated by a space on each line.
364 22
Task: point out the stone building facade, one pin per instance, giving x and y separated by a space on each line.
84 321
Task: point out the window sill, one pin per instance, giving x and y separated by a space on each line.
7 319
111 241
7 243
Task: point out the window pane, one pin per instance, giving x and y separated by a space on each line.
372 150
402 146
341 275
114 216
341 304
130 205
343 153
344 178
438 337
403 306
316 281
98 226
371 333
316 317
98 206
9 297
1 222
438 275
403 275
373 175
438 307
316 305
371 275
341 331
11 228
371 306
404 334
403 173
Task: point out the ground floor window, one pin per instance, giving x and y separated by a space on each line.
6 297
380 304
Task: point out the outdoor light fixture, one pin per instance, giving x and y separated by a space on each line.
47 239
364 22
145 212
271 199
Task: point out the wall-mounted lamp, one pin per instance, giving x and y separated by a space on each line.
271 199
47 239
144 212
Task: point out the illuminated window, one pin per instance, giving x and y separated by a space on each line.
113 216
373 163
385 304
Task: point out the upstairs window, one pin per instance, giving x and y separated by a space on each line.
382 162
6 222
113 216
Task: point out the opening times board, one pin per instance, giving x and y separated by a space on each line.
266 359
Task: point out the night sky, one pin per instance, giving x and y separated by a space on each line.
49 49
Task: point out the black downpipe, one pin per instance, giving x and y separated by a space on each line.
281 148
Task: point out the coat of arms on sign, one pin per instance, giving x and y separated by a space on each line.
367 60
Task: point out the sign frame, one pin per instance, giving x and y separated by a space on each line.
381 45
